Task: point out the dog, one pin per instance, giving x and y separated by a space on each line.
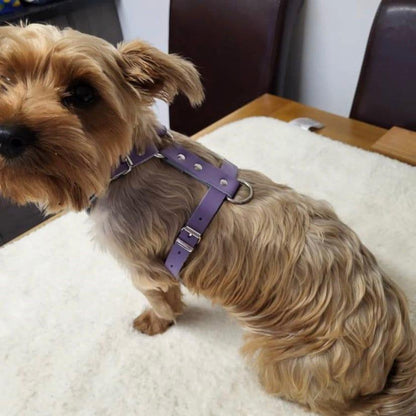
325 327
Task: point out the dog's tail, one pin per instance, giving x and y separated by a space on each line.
399 395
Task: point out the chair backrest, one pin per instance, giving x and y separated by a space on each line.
386 90
239 46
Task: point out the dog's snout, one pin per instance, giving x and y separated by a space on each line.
14 140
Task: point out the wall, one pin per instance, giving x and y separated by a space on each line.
147 20
327 53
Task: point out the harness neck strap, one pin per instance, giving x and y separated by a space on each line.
134 159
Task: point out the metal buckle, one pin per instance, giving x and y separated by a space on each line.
184 245
129 163
192 232
247 198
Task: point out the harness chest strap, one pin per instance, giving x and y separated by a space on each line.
190 234
222 183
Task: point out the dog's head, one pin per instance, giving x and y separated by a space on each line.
71 104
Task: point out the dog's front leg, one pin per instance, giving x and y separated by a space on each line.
165 304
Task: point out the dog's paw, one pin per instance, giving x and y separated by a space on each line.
149 323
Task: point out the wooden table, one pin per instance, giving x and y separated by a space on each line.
397 145
346 130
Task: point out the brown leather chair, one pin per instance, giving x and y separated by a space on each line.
386 91
239 46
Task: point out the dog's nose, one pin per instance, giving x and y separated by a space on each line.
14 140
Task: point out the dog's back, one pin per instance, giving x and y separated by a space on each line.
325 327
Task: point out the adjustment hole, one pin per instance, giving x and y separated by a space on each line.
171 265
200 218
179 252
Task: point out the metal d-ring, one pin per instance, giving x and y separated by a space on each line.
247 198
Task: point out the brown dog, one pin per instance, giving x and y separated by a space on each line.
325 327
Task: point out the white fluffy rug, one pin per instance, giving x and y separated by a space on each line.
66 342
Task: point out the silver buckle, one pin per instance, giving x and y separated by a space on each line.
129 163
192 232
184 245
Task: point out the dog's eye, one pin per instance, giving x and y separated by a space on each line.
4 82
80 95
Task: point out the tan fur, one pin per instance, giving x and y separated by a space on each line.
325 327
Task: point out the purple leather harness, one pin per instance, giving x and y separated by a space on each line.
222 184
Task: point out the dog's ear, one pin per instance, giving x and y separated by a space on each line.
158 74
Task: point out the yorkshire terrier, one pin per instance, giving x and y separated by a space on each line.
325 327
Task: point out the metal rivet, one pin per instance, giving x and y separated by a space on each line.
181 156
223 182
198 166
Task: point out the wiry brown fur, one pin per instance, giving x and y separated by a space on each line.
325 327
